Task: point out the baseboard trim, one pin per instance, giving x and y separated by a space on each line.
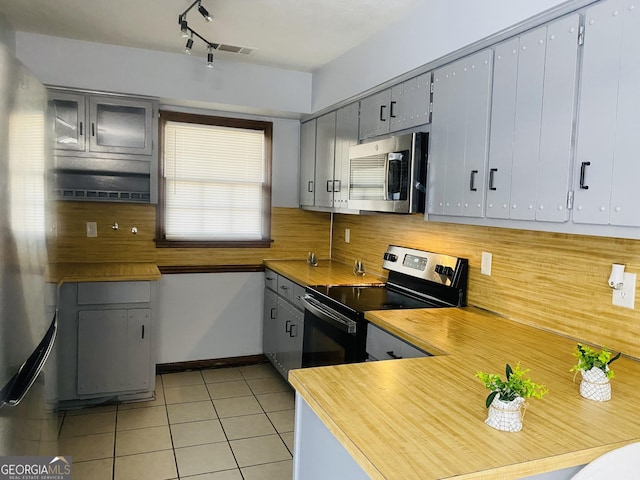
211 363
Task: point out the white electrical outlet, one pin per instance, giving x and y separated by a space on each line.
347 235
625 297
92 229
485 267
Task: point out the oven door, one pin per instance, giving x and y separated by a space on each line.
330 338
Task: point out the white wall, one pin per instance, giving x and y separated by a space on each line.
432 30
173 77
207 316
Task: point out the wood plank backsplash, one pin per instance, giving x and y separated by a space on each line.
294 233
554 281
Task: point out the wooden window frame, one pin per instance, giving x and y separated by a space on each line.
267 128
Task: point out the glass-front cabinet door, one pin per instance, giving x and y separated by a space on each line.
120 126
68 112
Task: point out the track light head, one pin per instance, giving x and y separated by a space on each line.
210 57
205 13
184 28
187 48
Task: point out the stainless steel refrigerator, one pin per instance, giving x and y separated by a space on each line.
28 420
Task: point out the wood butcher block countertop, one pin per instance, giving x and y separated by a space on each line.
102 272
328 272
424 418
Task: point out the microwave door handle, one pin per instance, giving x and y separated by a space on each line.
391 157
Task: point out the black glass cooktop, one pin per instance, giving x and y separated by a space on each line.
372 297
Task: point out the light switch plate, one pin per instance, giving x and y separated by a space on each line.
92 229
485 267
625 297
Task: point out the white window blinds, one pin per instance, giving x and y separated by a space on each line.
214 181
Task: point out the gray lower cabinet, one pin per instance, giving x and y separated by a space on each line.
283 322
382 345
113 350
105 341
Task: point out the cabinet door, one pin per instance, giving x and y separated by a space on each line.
138 349
102 351
374 114
608 143
346 136
325 155
558 115
307 163
289 348
270 325
69 115
528 119
460 136
120 126
410 103
598 126
503 110
294 344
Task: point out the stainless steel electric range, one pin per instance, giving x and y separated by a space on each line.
335 330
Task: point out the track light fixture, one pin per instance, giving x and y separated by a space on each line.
187 32
203 11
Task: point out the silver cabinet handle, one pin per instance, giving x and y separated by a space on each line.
310 186
291 332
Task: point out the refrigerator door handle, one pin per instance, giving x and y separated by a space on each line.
13 393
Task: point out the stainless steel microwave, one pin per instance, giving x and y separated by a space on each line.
389 175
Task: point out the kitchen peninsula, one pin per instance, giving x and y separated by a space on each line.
424 418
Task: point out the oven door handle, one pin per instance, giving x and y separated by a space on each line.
328 315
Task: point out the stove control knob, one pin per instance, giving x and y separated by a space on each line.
390 257
446 271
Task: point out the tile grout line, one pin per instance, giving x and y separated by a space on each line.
235 459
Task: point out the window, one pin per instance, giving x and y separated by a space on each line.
215 182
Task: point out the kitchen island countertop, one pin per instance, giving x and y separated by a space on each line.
424 418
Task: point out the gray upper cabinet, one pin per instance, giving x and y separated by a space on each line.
460 136
410 103
325 155
374 114
533 106
69 116
307 163
405 105
105 147
324 167
102 124
346 136
119 125
607 167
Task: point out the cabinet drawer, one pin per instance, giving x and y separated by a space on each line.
101 293
382 345
298 293
286 288
271 279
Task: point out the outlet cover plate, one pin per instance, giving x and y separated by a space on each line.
625 297
485 267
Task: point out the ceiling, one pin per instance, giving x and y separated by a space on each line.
292 34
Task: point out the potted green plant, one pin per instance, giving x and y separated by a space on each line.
508 396
595 371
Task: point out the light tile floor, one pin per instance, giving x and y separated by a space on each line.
216 424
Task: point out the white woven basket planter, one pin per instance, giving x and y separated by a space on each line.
595 385
505 416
